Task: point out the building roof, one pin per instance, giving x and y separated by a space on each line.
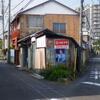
48 2
43 3
49 34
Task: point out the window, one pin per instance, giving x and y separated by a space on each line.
59 27
35 21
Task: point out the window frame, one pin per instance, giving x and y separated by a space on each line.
37 19
59 30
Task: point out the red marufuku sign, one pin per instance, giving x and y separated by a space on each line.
61 43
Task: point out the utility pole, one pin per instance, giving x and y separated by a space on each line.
81 19
2 23
8 60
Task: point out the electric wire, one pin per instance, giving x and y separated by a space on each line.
24 7
18 4
18 11
6 9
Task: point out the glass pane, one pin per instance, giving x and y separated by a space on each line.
59 27
30 21
39 21
62 28
56 27
35 21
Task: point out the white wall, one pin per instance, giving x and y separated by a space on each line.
50 8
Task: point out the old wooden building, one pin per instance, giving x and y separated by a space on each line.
46 49
50 14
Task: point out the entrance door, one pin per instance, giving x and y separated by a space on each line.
40 58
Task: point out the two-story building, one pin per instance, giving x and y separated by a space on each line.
51 15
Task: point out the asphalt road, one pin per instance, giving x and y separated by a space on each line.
20 85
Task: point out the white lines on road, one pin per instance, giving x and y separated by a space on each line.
95 74
91 83
56 99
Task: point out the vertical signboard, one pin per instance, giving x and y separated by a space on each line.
60 46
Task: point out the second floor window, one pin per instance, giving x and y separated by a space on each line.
59 27
35 21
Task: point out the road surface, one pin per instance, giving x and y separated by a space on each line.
20 85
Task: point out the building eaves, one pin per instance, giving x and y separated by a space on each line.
23 11
49 34
50 1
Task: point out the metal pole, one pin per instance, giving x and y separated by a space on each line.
81 16
3 23
8 60
81 24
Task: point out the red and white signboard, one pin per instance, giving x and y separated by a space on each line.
61 43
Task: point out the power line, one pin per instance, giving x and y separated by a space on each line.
18 5
27 4
6 9
24 7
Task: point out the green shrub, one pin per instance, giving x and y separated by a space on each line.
57 72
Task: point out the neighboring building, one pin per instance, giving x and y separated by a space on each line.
96 20
93 14
91 24
50 14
